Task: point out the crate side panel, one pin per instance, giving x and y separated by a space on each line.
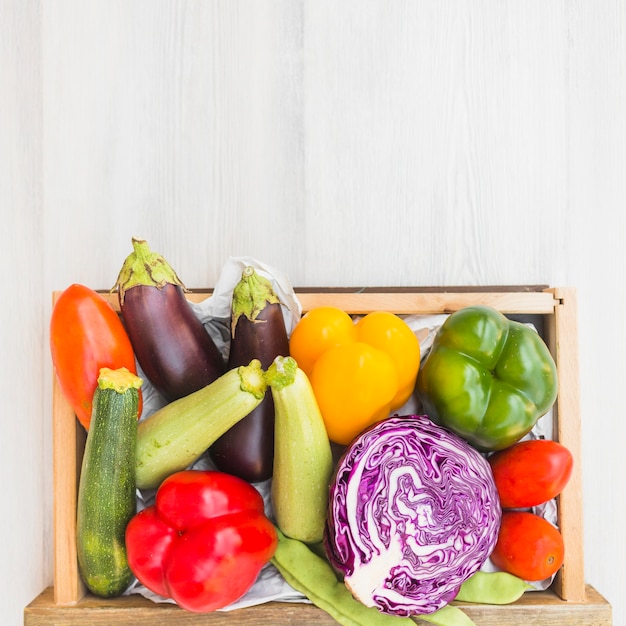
563 337
67 454
430 303
541 608
68 443
408 302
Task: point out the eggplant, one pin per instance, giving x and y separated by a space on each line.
257 332
174 350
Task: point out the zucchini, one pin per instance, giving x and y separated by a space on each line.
106 492
177 435
303 461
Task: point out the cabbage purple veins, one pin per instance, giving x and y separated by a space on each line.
413 513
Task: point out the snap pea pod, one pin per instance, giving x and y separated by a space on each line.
449 615
492 588
313 576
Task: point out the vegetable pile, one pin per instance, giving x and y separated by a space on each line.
380 483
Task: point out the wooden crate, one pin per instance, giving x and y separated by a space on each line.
568 601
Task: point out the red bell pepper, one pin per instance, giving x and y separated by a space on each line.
86 334
204 540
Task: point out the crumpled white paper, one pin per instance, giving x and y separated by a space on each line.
214 312
218 305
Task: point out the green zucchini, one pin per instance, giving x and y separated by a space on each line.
303 461
175 436
106 492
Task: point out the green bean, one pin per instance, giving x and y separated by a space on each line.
492 588
314 577
449 615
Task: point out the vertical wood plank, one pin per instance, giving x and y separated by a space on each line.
570 581
25 537
68 586
66 462
596 229
176 121
435 141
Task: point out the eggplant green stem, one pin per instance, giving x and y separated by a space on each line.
251 295
144 267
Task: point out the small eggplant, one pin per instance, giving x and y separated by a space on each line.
257 332
174 350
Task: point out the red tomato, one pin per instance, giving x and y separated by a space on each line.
528 546
531 472
86 334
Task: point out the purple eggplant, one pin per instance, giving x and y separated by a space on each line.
257 332
174 350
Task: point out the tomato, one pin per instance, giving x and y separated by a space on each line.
392 335
319 329
354 384
531 472
86 334
528 546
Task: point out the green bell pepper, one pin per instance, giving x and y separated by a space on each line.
487 378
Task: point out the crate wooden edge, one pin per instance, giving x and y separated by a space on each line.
406 301
562 337
138 611
68 585
559 304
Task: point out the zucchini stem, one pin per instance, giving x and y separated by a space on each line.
119 380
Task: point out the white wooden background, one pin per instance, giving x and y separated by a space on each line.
367 142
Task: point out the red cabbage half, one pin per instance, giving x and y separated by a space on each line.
413 513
